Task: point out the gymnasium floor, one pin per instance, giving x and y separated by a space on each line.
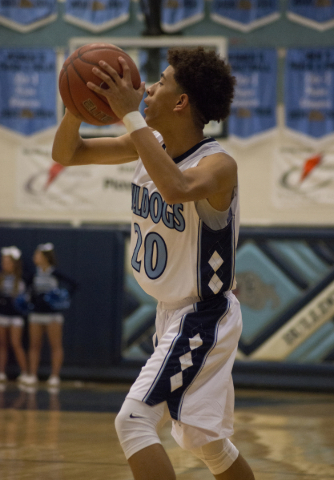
69 435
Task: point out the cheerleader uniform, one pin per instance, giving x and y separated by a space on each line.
42 283
9 316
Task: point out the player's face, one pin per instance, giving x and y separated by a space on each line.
161 99
40 259
7 264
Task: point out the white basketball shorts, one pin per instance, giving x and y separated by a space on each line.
190 369
11 321
45 318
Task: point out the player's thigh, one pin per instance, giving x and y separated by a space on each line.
16 335
55 334
36 331
3 336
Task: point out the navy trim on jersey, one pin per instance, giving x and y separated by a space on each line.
204 321
191 150
222 242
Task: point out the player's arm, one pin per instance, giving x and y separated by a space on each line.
69 148
214 178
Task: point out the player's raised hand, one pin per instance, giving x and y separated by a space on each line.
123 98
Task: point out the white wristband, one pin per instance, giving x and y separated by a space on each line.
134 121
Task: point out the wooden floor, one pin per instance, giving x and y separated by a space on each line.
284 436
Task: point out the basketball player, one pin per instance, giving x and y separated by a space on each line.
184 235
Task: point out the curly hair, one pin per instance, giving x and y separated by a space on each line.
206 79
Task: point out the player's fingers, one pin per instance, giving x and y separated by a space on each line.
95 88
141 89
126 69
110 71
103 76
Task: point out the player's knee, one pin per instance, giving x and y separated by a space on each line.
136 427
218 456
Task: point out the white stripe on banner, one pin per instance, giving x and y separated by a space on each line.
318 15
301 326
244 15
178 14
24 16
309 93
97 15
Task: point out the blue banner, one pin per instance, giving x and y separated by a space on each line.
97 15
244 15
312 13
178 14
253 109
25 16
309 91
28 89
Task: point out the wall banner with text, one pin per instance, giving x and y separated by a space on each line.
312 13
309 93
28 89
43 185
25 16
244 15
97 15
178 14
253 111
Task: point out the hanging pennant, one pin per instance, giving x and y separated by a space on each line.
312 13
28 89
244 15
178 14
309 93
253 112
27 15
97 15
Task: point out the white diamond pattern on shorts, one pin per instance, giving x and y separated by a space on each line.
215 284
176 381
216 261
186 361
195 342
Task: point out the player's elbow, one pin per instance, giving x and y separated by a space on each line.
172 197
61 159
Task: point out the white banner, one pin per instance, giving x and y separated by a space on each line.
303 176
45 185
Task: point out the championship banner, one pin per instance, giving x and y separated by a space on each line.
309 93
28 89
44 185
312 13
303 176
26 15
253 111
177 14
244 15
97 15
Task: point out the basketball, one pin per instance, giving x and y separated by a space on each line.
82 102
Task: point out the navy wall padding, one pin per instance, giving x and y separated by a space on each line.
95 259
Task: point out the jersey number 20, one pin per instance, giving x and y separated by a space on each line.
155 254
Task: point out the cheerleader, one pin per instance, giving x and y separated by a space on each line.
49 299
11 321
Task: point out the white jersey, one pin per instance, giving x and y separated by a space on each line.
176 256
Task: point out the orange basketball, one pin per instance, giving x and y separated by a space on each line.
77 71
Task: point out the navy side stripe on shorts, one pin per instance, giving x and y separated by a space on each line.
190 348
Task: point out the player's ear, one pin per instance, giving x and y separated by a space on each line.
182 102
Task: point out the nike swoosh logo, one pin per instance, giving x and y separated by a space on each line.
135 416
